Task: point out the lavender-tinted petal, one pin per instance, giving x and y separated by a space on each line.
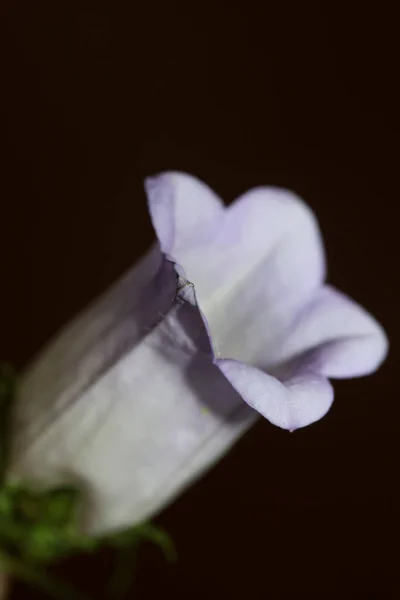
184 210
254 267
336 337
298 401
281 269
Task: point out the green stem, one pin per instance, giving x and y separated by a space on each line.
35 576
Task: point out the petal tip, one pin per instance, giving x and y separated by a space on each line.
383 346
153 183
290 405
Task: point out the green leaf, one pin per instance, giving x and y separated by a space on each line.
58 506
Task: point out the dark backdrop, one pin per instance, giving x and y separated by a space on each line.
99 95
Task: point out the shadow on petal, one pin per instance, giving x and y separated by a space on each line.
185 339
215 392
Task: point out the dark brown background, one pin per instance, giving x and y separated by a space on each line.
98 95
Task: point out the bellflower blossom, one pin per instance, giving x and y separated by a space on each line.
227 317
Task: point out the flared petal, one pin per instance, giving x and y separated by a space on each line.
332 337
298 401
141 412
336 337
260 264
184 210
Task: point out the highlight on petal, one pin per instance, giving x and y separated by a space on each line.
269 223
268 262
335 337
297 402
184 211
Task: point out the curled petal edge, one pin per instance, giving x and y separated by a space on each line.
296 402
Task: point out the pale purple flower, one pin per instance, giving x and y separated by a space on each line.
161 376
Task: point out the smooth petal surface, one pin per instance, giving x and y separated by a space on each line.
154 414
184 210
336 337
260 264
94 341
299 401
